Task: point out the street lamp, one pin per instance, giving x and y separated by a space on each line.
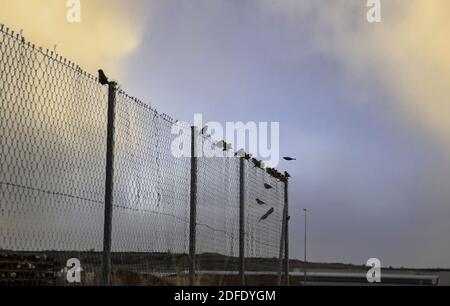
304 262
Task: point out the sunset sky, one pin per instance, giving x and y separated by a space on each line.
364 107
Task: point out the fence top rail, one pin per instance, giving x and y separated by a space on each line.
47 53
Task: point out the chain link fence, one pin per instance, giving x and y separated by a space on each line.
53 129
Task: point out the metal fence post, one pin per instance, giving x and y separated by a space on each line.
242 222
109 182
193 208
286 236
282 245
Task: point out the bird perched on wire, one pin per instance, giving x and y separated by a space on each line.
289 158
102 78
224 146
267 215
248 156
204 130
257 163
240 153
277 175
286 174
271 171
260 202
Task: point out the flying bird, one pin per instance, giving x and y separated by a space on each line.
260 202
102 78
267 186
267 215
289 158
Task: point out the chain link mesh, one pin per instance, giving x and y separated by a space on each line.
151 194
52 177
263 237
52 130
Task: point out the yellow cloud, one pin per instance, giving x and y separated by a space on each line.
109 30
415 50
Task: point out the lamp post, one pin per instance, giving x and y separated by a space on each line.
304 262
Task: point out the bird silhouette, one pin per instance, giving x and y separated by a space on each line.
224 146
289 158
240 153
267 215
102 78
271 171
275 173
267 186
260 202
257 163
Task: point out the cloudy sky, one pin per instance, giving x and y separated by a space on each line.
363 106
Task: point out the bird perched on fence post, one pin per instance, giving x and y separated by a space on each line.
102 78
267 215
240 153
285 177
